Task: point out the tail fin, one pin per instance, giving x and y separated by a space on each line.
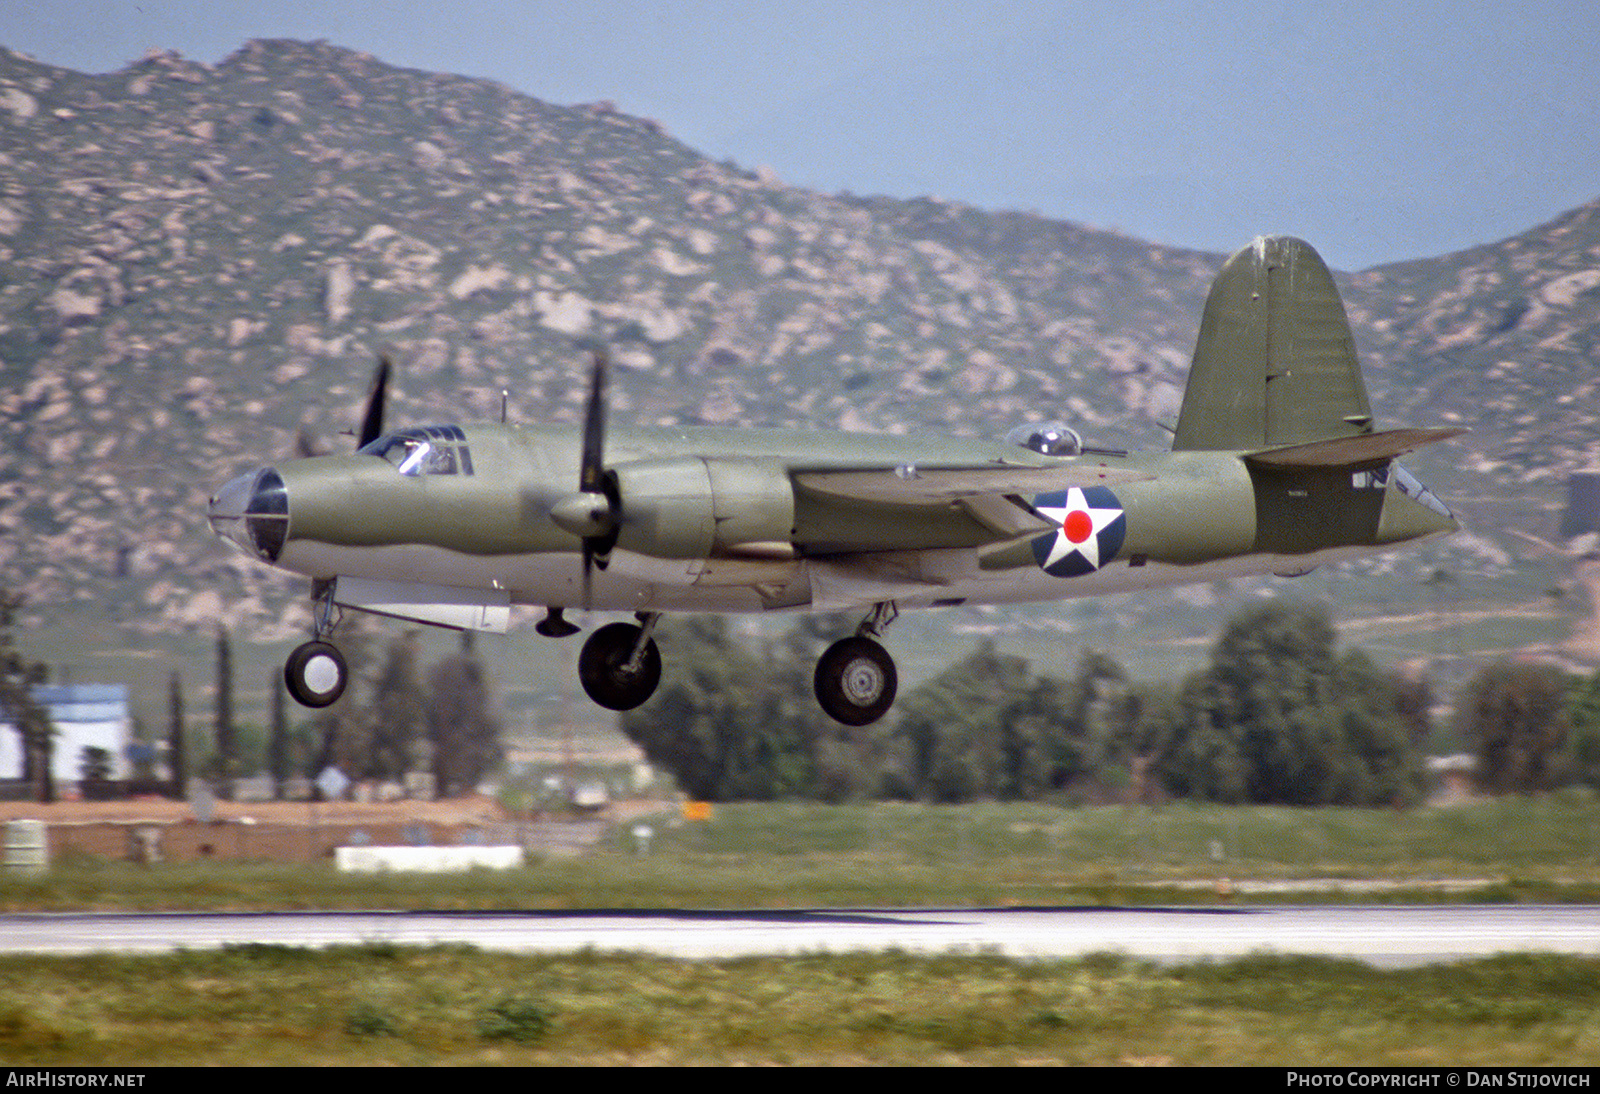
1275 363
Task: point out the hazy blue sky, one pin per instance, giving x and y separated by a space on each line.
1379 131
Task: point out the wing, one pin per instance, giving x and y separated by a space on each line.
993 493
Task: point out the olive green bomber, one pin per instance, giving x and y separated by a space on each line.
1276 466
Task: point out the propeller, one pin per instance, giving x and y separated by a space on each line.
593 513
372 418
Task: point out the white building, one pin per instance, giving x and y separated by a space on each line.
84 716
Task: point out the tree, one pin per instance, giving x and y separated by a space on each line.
344 729
278 737
986 727
1144 718
142 755
1515 714
725 724
1582 758
177 747
843 762
1203 755
1278 717
19 676
1101 718
462 726
399 713
1381 731
227 768
94 765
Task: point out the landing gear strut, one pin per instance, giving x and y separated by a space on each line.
315 673
620 665
856 680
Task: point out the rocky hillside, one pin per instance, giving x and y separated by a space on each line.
1503 337
201 264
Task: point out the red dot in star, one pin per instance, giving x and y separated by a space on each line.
1077 527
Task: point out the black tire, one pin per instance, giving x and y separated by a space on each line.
856 681
603 671
315 674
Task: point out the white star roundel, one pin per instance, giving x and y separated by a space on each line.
1089 530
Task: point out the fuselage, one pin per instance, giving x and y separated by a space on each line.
734 520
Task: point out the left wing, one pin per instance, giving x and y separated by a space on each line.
994 494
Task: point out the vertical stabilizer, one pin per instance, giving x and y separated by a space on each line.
1275 363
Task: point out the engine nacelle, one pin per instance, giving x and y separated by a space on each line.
691 507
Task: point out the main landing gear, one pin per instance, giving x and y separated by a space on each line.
620 666
856 680
315 673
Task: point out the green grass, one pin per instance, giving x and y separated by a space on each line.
452 1005
888 854
386 1003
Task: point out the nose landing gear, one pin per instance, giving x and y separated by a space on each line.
315 673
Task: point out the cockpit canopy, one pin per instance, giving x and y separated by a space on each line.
1048 439
425 450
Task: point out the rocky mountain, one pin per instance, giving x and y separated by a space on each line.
201 264
1504 338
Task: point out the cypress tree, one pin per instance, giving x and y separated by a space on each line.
177 752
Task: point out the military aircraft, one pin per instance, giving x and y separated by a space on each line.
1275 467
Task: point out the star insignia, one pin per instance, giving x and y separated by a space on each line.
1089 530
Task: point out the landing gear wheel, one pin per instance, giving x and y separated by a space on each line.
604 670
315 674
856 681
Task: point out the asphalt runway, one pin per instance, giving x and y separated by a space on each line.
1382 936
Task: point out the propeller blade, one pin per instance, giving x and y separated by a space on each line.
591 472
588 575
592 479
372 420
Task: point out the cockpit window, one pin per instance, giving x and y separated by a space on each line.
428 450
1048 439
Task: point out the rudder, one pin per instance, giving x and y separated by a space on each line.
1275 363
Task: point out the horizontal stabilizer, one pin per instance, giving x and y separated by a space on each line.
1366 449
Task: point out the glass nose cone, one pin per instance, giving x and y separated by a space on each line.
226 511
253 512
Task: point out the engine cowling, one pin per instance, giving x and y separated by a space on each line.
691 507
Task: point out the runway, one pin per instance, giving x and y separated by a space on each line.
1385 936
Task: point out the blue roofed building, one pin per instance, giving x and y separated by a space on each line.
84 716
